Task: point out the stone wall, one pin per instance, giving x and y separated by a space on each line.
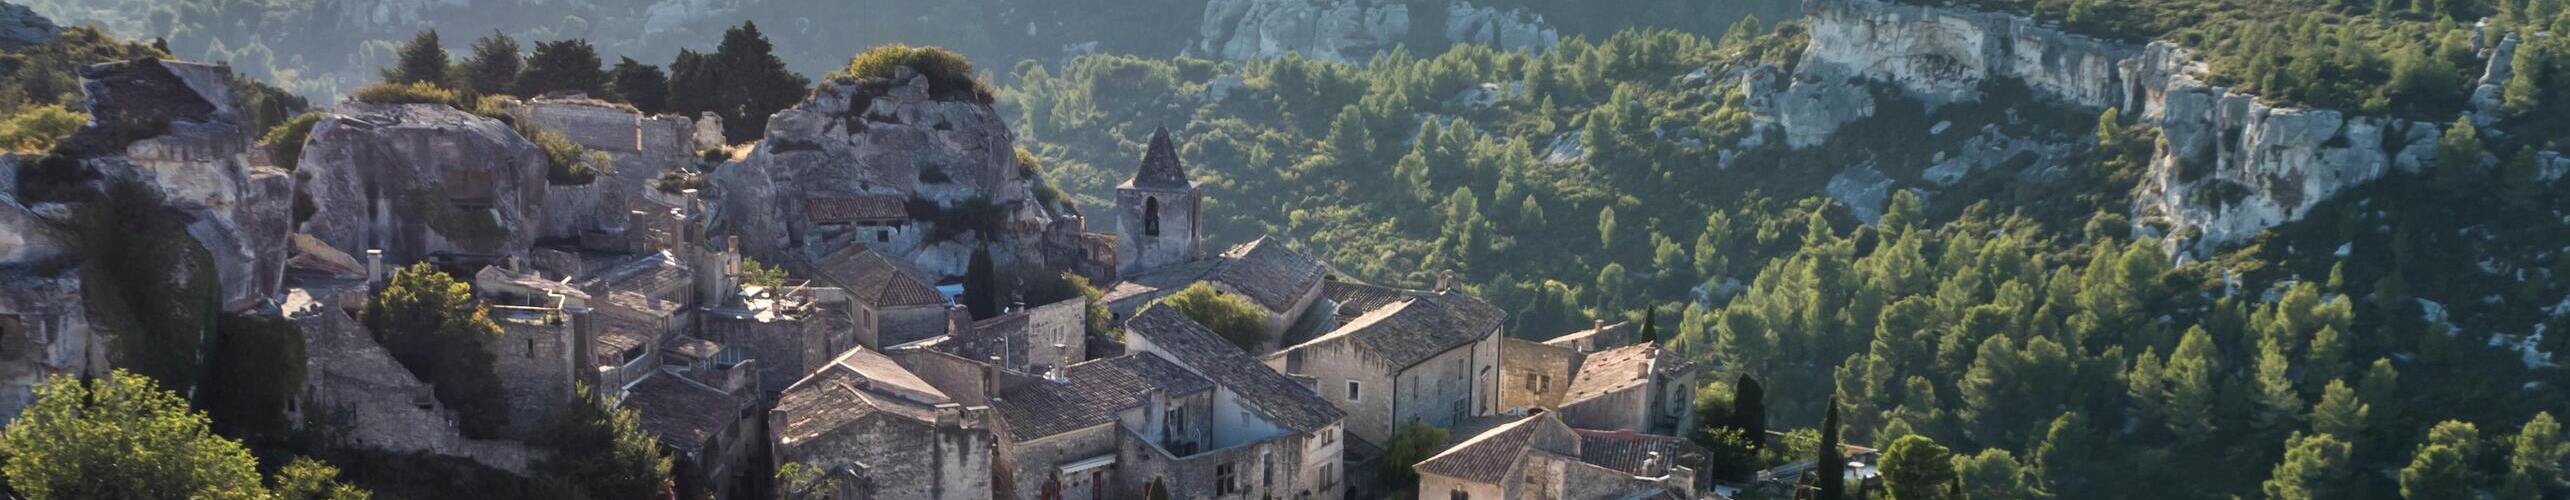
1031 464
379 405
534 364
905 458
1549 367
787 348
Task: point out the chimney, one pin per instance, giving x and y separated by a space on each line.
374 267
1445 281
990 380
1651 465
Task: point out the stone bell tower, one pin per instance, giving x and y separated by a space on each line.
1159 212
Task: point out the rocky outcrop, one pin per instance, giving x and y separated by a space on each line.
2231 166
198 161
422 180
871 144
641 146
1353 30
21 27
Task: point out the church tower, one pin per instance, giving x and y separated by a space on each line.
1159 212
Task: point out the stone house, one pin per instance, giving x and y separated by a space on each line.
1283 282
1601 337
1539 457
1159 212
893 304
546 330
1026 340
1062 435
1267 433
790 331
707 418
1640 387
1396 356
865 418
871 220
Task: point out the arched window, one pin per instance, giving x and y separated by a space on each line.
1150 216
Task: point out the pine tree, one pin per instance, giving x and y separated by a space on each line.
641 85
2441 467
754 82
2458 157
2339 413
2523 93
2314 467
1915 467
2190 385
2534 459
2278 402
421 60
564 66
494 64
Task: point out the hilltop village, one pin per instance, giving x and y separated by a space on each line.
807 304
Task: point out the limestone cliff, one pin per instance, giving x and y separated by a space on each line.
883 162
1353 30
199 161
2231 166
422 180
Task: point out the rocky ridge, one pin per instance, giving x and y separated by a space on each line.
2231 166
1355 30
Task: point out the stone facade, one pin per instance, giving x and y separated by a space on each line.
1640 388
1539 457
866 417
1444 371
1533 375
352 381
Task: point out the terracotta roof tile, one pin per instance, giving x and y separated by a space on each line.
682 413
874 278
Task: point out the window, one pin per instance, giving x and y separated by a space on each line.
530 347
1225 480
1354 390
1458 495
883 236
1329 474
1532 384
1329 436
1150 216
1543 383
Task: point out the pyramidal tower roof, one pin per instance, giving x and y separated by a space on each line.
1160 166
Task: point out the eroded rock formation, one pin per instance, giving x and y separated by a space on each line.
2232 166
1353 30
421 180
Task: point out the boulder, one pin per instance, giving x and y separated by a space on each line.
872 144
21 27
195 152
422 180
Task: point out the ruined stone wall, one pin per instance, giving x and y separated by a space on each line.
357 384
905 458
786 349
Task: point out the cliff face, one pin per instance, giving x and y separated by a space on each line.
422 179
200 164
863 151
2231 166
1353 30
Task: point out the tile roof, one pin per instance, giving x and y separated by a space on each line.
1405 327
1627 450
617 333
648 273
1485 458
1091 393
693 347
1609 333
1263 270
1288 403
1161 168
1620 368
681 412
860 383
873 278
862 208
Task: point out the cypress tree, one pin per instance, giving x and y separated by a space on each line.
981 283
1749 410
642 85
1651 325
1830 468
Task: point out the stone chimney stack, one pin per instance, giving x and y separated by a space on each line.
374 267
990 380
1446 281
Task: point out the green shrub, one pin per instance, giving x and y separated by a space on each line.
407 93
950 76
285 141
566 163
37 128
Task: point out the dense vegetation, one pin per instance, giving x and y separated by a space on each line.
122 436
432 324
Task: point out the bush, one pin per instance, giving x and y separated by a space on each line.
285 141
1237 319
435 328
37 128
121 437
950 76
566 163
407 93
